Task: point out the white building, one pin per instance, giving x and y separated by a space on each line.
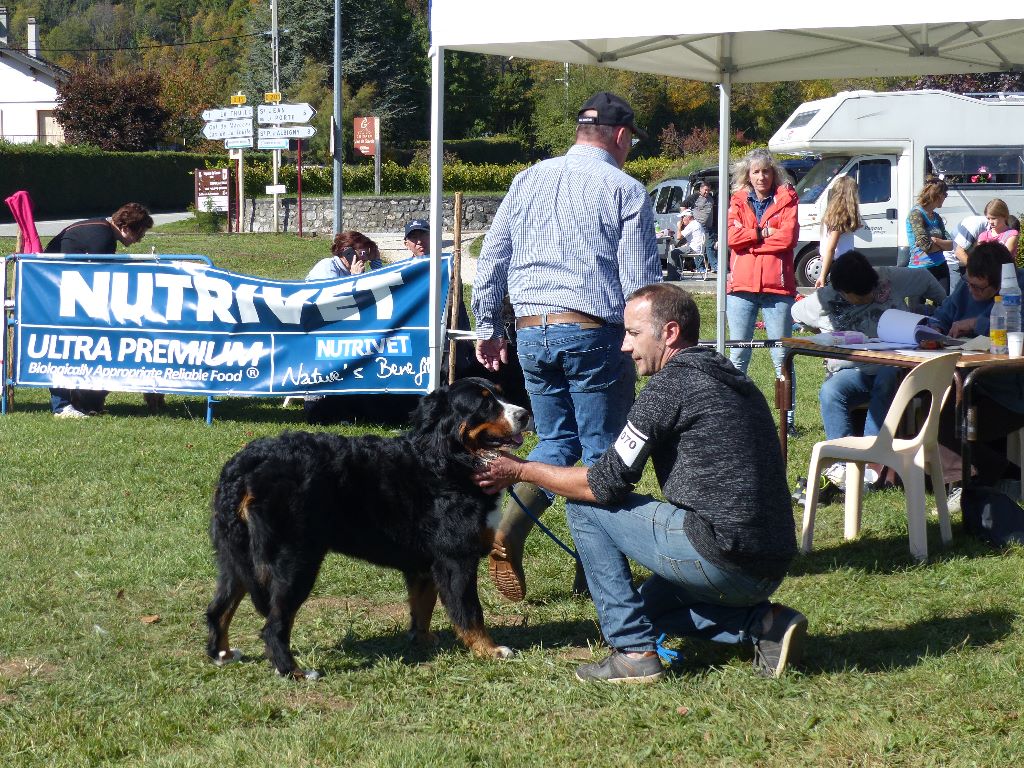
28 91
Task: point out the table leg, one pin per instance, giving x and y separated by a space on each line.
784 401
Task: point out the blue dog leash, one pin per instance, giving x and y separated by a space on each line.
543 527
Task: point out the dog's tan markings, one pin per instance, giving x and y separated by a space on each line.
224 621
243 508
263 573
422 599
478 641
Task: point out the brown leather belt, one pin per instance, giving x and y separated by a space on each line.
555 318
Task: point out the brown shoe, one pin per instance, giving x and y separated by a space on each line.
505 563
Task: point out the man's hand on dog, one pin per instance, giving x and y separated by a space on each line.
499 473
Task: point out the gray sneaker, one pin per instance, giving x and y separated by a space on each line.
781 641
620 668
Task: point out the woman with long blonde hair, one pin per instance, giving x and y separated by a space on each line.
841 220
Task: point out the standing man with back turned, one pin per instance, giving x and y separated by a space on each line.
573 237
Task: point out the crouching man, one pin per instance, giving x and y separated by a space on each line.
721 543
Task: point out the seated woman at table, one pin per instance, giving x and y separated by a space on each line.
855 298
999 400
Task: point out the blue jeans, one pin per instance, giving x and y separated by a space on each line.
850 387
687 595
581 387
711 249
741 311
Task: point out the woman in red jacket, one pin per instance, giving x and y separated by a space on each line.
763 231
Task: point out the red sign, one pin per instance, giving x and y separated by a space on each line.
364 135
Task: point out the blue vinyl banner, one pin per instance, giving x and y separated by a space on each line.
178 326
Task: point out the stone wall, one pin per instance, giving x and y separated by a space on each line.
365 214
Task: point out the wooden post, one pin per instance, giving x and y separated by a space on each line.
455 290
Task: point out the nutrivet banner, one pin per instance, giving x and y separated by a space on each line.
192 329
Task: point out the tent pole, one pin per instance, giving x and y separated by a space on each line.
436 209
724 97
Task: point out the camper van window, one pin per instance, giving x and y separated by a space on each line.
799 121
974 166
874 180
810 187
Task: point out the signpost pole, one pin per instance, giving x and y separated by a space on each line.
277 90
299 161
339 148
376 157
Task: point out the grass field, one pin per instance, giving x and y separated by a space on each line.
106 570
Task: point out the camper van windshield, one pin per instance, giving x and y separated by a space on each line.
810 187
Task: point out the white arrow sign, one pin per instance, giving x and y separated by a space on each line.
230 113
291 132
284 113
227 129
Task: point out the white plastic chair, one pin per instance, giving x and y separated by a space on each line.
908 456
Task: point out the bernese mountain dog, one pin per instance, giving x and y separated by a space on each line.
408 503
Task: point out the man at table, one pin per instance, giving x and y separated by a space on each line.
853 300
999 399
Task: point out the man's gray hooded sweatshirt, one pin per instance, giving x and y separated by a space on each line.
710 434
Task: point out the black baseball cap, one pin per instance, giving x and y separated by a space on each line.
415 224
611 110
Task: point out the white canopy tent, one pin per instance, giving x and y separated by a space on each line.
729 43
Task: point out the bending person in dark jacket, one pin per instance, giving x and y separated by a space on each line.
721 543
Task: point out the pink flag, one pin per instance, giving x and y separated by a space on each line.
21 206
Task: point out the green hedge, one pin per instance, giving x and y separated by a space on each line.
76 181
394 178
414 179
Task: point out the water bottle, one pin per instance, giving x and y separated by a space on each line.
997 328
1009 289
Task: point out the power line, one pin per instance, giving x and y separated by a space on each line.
141 47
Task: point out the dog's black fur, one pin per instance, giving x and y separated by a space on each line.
407 503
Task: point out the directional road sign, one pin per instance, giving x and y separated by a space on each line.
232 113
284 113
272 144
289 132
228 129
243 142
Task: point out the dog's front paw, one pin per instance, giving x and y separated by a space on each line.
425 639
503 652
228 657
300 674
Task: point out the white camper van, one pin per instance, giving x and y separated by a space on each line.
892 142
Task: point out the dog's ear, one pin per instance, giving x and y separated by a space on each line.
430 410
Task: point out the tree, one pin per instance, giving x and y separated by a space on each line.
115 111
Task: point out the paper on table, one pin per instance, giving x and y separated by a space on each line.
896 325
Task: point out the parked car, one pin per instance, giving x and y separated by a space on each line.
666 197
668 194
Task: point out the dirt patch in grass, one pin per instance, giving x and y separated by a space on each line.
16 669
577 653
393 611
312 699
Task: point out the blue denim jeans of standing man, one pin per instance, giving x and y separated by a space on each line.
847 388
687 595
741 311
711 249
581 387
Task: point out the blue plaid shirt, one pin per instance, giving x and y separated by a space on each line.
573 233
